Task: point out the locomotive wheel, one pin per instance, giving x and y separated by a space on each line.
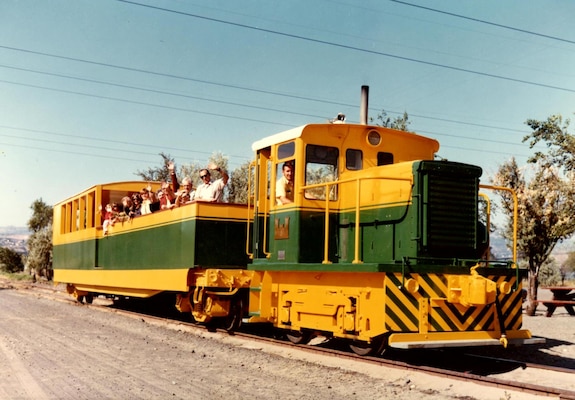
234 319
366 349
298 337
89 298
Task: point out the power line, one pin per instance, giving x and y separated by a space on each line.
69 152
123 149
348 47
144 103
485 22
173 76
163 148
251 106
479 139
159 91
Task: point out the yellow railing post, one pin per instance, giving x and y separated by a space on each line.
326 186
515 206
356 259
326 230
250 255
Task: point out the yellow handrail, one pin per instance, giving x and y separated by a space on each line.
326 186
488 216
250 255
515 206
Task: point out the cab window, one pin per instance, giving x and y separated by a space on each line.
353 159
320 167
384 158
286 150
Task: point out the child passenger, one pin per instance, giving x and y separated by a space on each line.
110 217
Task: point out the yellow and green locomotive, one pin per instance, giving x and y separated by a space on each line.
382 245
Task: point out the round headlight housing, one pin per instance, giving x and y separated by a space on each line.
373 138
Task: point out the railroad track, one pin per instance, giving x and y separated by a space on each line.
443 365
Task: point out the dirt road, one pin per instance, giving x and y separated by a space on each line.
56 350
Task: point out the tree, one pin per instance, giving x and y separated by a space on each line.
561 144
400 123
238 184
42 215
10 261
39 260
157 174
545 205
567 266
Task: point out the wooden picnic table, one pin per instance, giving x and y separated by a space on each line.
563 296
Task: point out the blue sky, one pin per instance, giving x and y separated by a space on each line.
92 91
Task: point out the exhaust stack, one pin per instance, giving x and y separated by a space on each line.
364 105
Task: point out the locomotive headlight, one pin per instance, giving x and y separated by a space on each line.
412 285
505 287
373 138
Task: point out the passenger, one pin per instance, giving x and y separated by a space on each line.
173 177
147 200
168 197
136 208
124 214
284 185
162 196
149 203
186 194
110 217
211 191
181 194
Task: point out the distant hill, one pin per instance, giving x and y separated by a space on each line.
14 237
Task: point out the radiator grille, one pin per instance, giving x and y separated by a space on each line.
450 211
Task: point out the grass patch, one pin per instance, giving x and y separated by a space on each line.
17 276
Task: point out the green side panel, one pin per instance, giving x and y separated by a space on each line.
301 237
81 255
221 243
312 237
386 234
284 238
217 243
158 247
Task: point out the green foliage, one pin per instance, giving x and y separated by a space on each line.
550 275
320 173
569 264
238 184
561 144
545 205
17 276
39 258
42 215
401 123
10 261
157 174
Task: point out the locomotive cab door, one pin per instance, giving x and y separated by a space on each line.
293 201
